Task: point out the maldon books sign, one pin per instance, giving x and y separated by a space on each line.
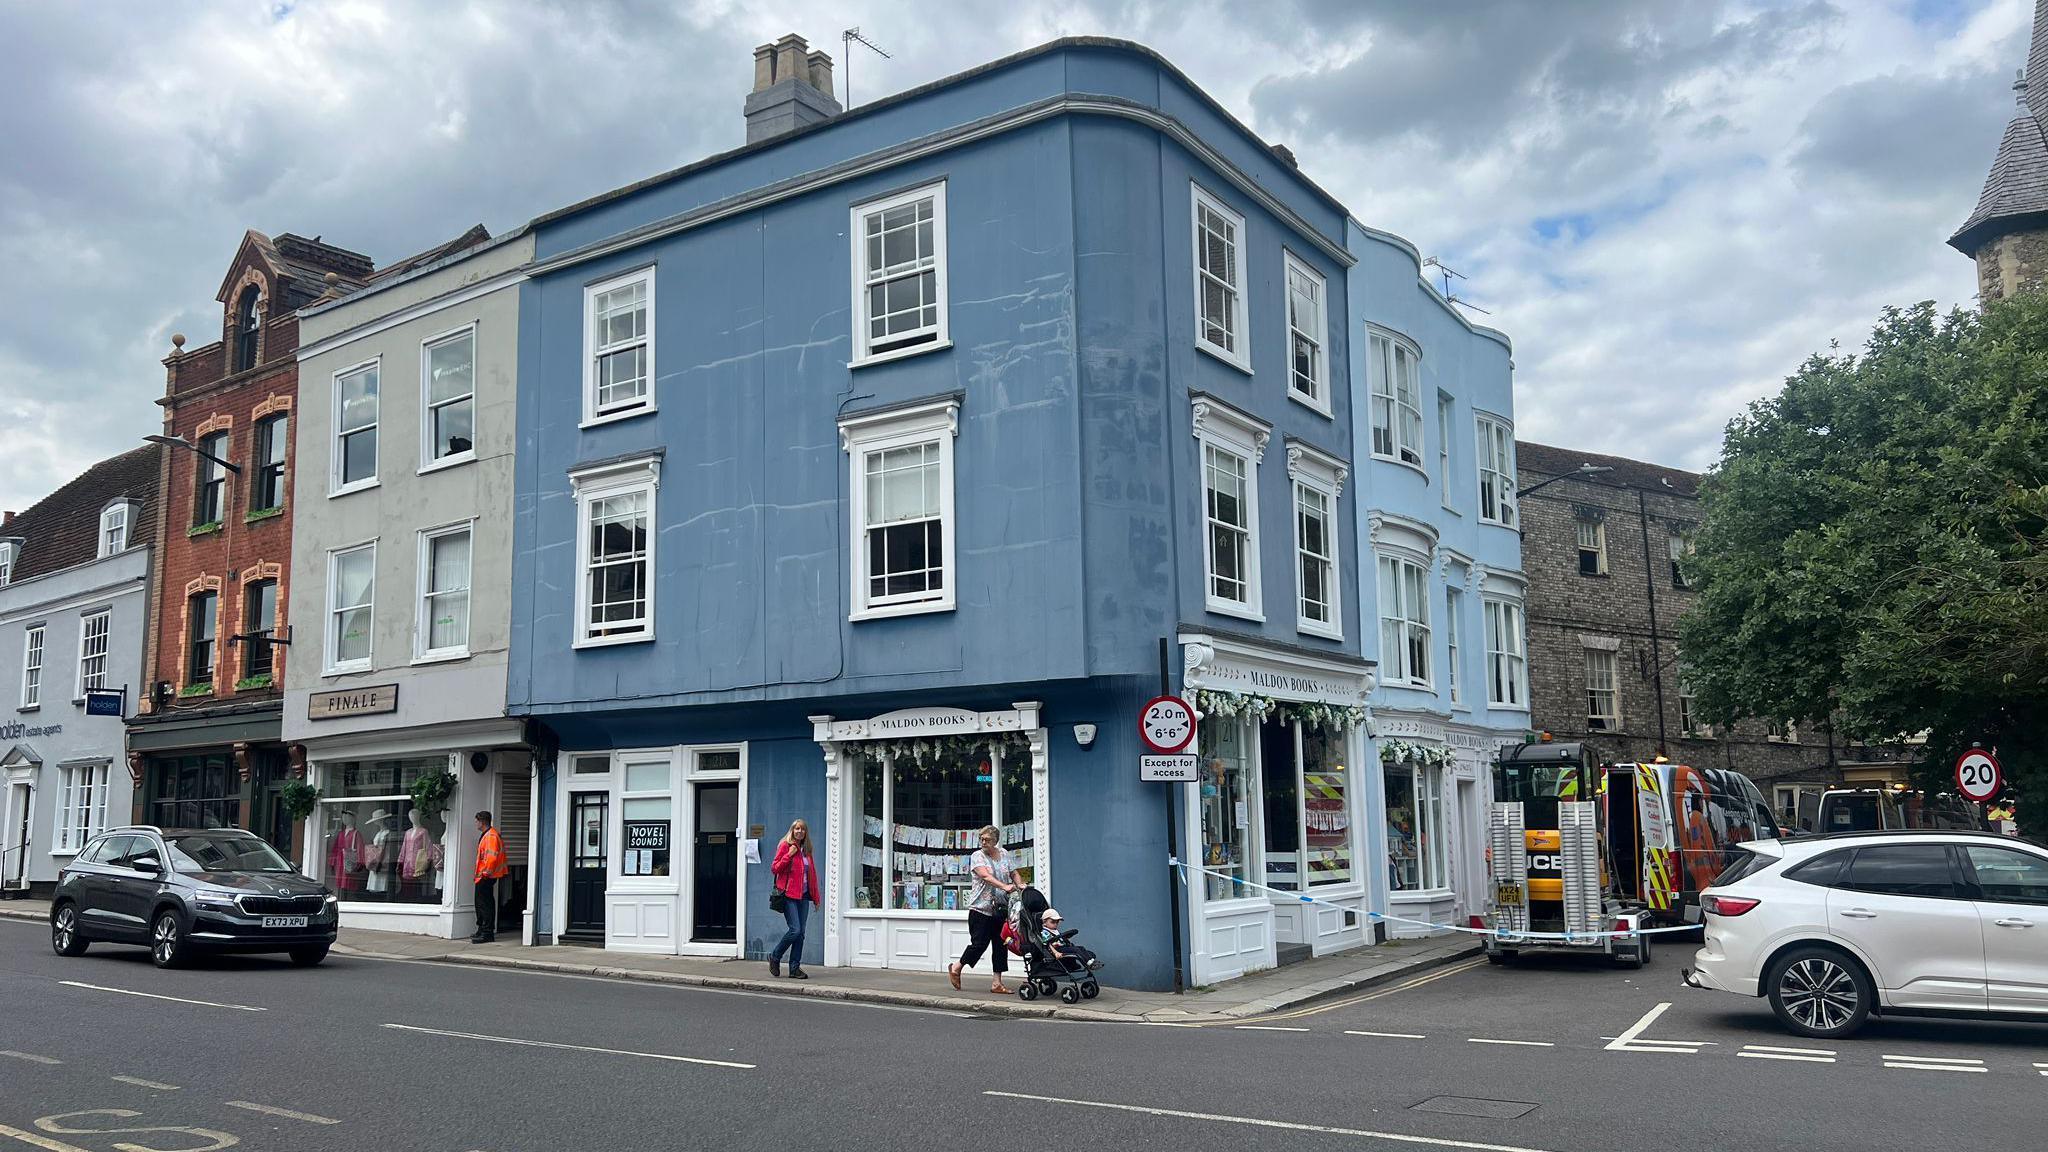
352 702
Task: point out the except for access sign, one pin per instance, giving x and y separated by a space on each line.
1167 725
1177 769
1978 775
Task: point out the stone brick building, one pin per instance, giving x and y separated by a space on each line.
1600 551
2007 235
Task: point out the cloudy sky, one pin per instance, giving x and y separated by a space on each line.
1667 205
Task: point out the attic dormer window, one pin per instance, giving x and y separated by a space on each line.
8 551
247 321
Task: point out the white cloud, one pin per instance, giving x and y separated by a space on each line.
1668 206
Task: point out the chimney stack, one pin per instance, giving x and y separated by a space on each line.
6 518
792 89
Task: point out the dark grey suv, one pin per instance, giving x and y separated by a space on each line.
184 890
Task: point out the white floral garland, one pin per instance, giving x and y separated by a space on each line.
1408 752
1233 705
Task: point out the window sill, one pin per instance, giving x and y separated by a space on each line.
1494 707
68 852
1452 511
603 418
1319 409
349 489
886 611
1419 895
447 462
1497 524
1319 631
193 692
1397 462
262 514
1231 608
255 683
1595 575
1242 365
345 670
198 530
30 708
448 657
904 353
613 641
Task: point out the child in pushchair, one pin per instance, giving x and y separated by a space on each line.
1053 963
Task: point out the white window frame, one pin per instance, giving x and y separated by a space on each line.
1679 544
1323 474
423 622
1221 428
1239 355
1599 548
9 553
1781 732
1503 618
67 837
335 436
331 626
1446 414
1490 432
863 435
1319 335
105 620
113 518
591 351
1454 603
591 485
1427 783
863 278
1688 724
1384 348
32 661
1611 659
1396 665
428 461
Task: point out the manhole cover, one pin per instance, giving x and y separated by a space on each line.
1468 1106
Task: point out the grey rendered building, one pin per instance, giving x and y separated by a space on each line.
403 552
74 592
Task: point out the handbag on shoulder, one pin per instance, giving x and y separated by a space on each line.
776 900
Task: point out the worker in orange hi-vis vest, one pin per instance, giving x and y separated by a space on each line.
490 868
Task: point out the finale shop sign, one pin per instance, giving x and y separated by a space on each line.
347 702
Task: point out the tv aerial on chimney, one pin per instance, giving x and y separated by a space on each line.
847 40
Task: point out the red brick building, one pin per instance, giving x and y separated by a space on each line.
204 746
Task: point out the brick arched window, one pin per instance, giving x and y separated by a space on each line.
247 324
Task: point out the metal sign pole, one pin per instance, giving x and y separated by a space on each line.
1172 839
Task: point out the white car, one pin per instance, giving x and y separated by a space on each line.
1831 929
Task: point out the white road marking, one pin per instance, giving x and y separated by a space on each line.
1932 1063
1787 1056
1933 1059
1265 1028
567 1047
1789 1051
1387 1035
287 1113
1517 1043
43 1142
141 1083
1255 1122
31 1057
1629 1040
154 996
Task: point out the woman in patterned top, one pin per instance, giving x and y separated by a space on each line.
994 882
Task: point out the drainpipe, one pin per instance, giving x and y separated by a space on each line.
1656 648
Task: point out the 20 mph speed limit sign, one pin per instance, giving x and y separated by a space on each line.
1978 776
1167 725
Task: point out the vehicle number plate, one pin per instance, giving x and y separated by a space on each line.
284 921
1507 895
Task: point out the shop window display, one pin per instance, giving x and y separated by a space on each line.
1226 809
921 820
646 817
376 847
1326 815
1415 850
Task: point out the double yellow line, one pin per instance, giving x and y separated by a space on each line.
1375 994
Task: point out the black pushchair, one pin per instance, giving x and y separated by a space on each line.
1046 974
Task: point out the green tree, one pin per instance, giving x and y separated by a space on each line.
1871 554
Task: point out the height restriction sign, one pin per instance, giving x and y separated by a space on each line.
1167 725
1978 775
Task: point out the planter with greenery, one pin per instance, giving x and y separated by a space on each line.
202 529
430 792
299 798
263 514
196 690
251 683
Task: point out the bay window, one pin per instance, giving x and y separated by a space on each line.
1404 622
1394 366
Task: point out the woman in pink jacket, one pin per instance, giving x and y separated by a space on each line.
796 881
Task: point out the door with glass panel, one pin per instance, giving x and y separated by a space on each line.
588 859
714 880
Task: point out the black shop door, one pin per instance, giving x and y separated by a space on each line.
588 830
716 879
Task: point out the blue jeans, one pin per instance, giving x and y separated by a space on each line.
797 913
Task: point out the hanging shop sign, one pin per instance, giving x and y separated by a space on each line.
105 701
1978 775
347 702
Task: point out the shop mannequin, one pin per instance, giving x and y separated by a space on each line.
345 856
419 858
